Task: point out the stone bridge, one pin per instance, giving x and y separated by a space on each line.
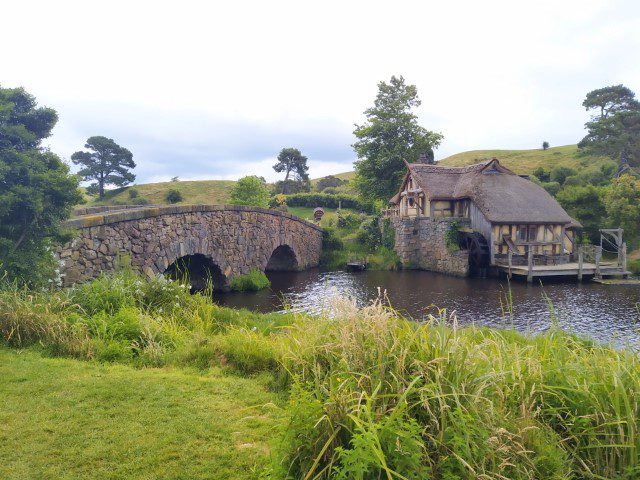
218 240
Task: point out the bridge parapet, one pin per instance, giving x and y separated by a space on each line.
233 238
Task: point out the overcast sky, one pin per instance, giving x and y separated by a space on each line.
206 90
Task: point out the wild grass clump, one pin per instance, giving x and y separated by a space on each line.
253 281
377 396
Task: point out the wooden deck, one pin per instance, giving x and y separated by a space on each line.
565 270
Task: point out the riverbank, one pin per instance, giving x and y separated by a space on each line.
361 390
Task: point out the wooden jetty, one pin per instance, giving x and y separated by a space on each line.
357 264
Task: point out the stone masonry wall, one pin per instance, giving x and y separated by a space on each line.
420 243
235 238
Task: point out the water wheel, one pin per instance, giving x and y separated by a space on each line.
479 256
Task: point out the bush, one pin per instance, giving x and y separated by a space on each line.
541 174
252 281
560 174
452 238
552 187
291 186
348 221
330 240
313 200
174 196
133 193
369 234
250 191
388 234
140 201
329 182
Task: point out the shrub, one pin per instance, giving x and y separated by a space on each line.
133 193
252 281
250 191
348 221
174 196
369 234
388 234
140 201
542 174
552 187
452 238
329 182
330 240
560 174
325 200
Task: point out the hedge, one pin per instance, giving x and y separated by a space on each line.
325 200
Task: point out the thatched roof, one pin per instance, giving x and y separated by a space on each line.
501 195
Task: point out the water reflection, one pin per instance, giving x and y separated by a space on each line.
604 312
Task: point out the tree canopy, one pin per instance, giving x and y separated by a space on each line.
106 162
36 190
389 136
614 129
291 160
250 191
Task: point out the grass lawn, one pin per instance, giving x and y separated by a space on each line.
330 215
71 419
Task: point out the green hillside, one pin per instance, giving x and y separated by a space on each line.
524 162
217 191
196 191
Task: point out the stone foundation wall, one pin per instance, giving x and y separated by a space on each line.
235 238
420 243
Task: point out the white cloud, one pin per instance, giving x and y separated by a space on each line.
215 89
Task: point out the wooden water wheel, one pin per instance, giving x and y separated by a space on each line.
479 256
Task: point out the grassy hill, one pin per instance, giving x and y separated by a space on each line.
196 191
523 162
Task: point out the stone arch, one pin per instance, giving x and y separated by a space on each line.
200 269
283 259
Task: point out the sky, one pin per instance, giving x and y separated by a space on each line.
214 90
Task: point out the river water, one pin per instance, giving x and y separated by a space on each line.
607 313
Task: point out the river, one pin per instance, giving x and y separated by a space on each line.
607 313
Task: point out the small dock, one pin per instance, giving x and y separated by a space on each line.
573 269
357 264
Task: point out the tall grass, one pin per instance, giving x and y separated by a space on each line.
371 395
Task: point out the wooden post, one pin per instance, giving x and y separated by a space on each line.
624 256
530 265
598 257
510 260
580 263
491 254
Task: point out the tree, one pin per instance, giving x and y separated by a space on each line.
329 181
107 163
614 130
389 136
545 145
36 190
250 191
541 174
560 174
586 205
622 201
173 196
291 160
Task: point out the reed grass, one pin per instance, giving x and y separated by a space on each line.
371 395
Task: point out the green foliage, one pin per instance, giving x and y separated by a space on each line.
330 240
349 221
36 190
560 174
389 136
291 160
634 266
329 182
250 191
325 200
622 201
552 187
133 193
106 162
388 234
252 281
585 204
452 237
545 145
541 174
290 187
369 233
615 128
140 201
174 196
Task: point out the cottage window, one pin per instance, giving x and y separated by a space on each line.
533 233
411 202
521 233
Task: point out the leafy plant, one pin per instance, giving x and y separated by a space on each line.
174 196
252 281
